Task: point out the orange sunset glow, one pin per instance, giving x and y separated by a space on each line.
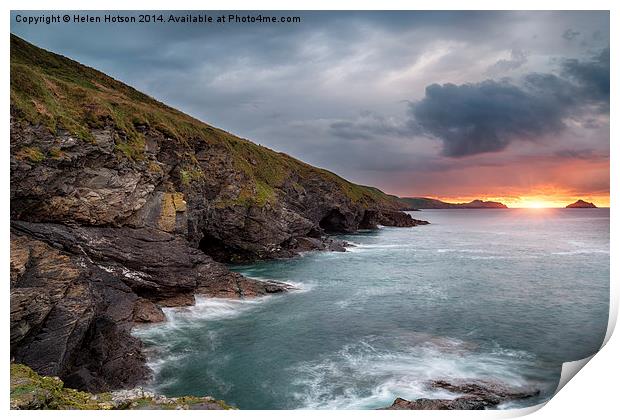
534 201
517 181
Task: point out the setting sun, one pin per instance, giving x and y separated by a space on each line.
534 201
536 204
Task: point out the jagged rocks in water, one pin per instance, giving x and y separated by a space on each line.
77 291
374 218
473 396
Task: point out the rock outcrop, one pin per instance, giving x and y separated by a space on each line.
580 204
76 292
373 219
469 396
87 149
30 391
121 205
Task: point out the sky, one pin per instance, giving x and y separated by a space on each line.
510 106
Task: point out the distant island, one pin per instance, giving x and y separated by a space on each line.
580 204
431 203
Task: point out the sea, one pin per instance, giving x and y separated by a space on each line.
499 295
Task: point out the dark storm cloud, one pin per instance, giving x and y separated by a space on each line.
487 116
484 117
591 75
335 90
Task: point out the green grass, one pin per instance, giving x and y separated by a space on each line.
30 391
59 93
191 174
33 154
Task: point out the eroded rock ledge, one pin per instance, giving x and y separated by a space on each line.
77 291
469 396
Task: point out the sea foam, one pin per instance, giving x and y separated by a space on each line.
366 375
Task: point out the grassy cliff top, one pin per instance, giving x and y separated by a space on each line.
60 93
30 391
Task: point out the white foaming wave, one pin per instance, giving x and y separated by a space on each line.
205 309
582 251
356 249
352 244
301 287
486 257
380 247
164 350
362 376
463 251
180 318
159 360
298 287
499 257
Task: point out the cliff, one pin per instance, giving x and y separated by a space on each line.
121 205
580 204
431 203
30 391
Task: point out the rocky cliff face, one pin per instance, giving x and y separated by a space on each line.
121 205
77 291
90 150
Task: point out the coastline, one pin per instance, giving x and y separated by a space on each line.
130 221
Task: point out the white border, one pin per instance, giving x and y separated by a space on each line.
592 394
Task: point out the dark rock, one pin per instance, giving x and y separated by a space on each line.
76 292
461 403
77 324
485 389
235 285
374 218
145 311
154 264
182 299
580 204
93 185
323 243
474 396
335 245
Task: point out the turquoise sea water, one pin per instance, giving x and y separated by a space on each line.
502 295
